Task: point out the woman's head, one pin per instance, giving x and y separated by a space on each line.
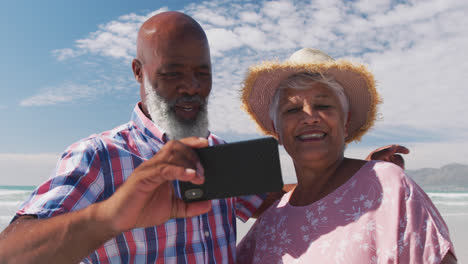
352 83
304 81
310 115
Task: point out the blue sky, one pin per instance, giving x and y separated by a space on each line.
66 70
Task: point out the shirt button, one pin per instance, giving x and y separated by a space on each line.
207 234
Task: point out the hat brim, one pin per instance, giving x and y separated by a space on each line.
359 85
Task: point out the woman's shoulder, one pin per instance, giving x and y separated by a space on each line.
363 166
386 173
385 168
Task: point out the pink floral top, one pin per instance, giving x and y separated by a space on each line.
379 216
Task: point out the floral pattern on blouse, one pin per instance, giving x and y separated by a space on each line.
380 215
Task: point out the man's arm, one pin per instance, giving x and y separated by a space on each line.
145 199
66 238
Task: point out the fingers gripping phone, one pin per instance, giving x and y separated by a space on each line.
236 169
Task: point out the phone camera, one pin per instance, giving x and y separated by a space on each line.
193 193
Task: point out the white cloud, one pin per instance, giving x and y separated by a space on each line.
415 48
249 17
252 37
213 17
109 43
373 6
64 54
222 39
115 39
415 54
278 9
62 94
26 169
408 13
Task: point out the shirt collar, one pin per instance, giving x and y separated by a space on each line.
146 125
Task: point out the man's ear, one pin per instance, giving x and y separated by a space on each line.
137 68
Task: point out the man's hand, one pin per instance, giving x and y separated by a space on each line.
390 153
147 198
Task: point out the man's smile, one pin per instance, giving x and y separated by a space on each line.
187 111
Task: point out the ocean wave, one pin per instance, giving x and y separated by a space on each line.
448 195
447 214
451 203
10 203
13 192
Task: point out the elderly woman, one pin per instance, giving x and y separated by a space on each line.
342 210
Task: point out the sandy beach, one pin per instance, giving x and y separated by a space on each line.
459 234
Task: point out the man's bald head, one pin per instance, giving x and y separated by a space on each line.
173 67
165 29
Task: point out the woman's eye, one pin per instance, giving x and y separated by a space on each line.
292 110
323 107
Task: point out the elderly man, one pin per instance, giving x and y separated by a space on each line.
112 199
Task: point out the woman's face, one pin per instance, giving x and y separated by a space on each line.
311 125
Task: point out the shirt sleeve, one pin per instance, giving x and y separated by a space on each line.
76 183
423 234
247 205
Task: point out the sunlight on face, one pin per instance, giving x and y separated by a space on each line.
311 123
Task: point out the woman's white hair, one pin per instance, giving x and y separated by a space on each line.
303 81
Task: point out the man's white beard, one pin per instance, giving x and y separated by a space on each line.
163 115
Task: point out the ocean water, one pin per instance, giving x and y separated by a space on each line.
453 207
450 203
11 197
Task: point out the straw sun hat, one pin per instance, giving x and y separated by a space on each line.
359 86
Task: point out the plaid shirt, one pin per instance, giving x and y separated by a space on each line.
92 169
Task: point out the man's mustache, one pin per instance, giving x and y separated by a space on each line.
189 99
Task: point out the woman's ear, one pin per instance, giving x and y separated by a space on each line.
276 134
348 119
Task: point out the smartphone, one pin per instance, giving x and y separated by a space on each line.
236 169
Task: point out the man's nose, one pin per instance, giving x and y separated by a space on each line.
191 85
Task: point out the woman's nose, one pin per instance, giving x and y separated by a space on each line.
310 115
